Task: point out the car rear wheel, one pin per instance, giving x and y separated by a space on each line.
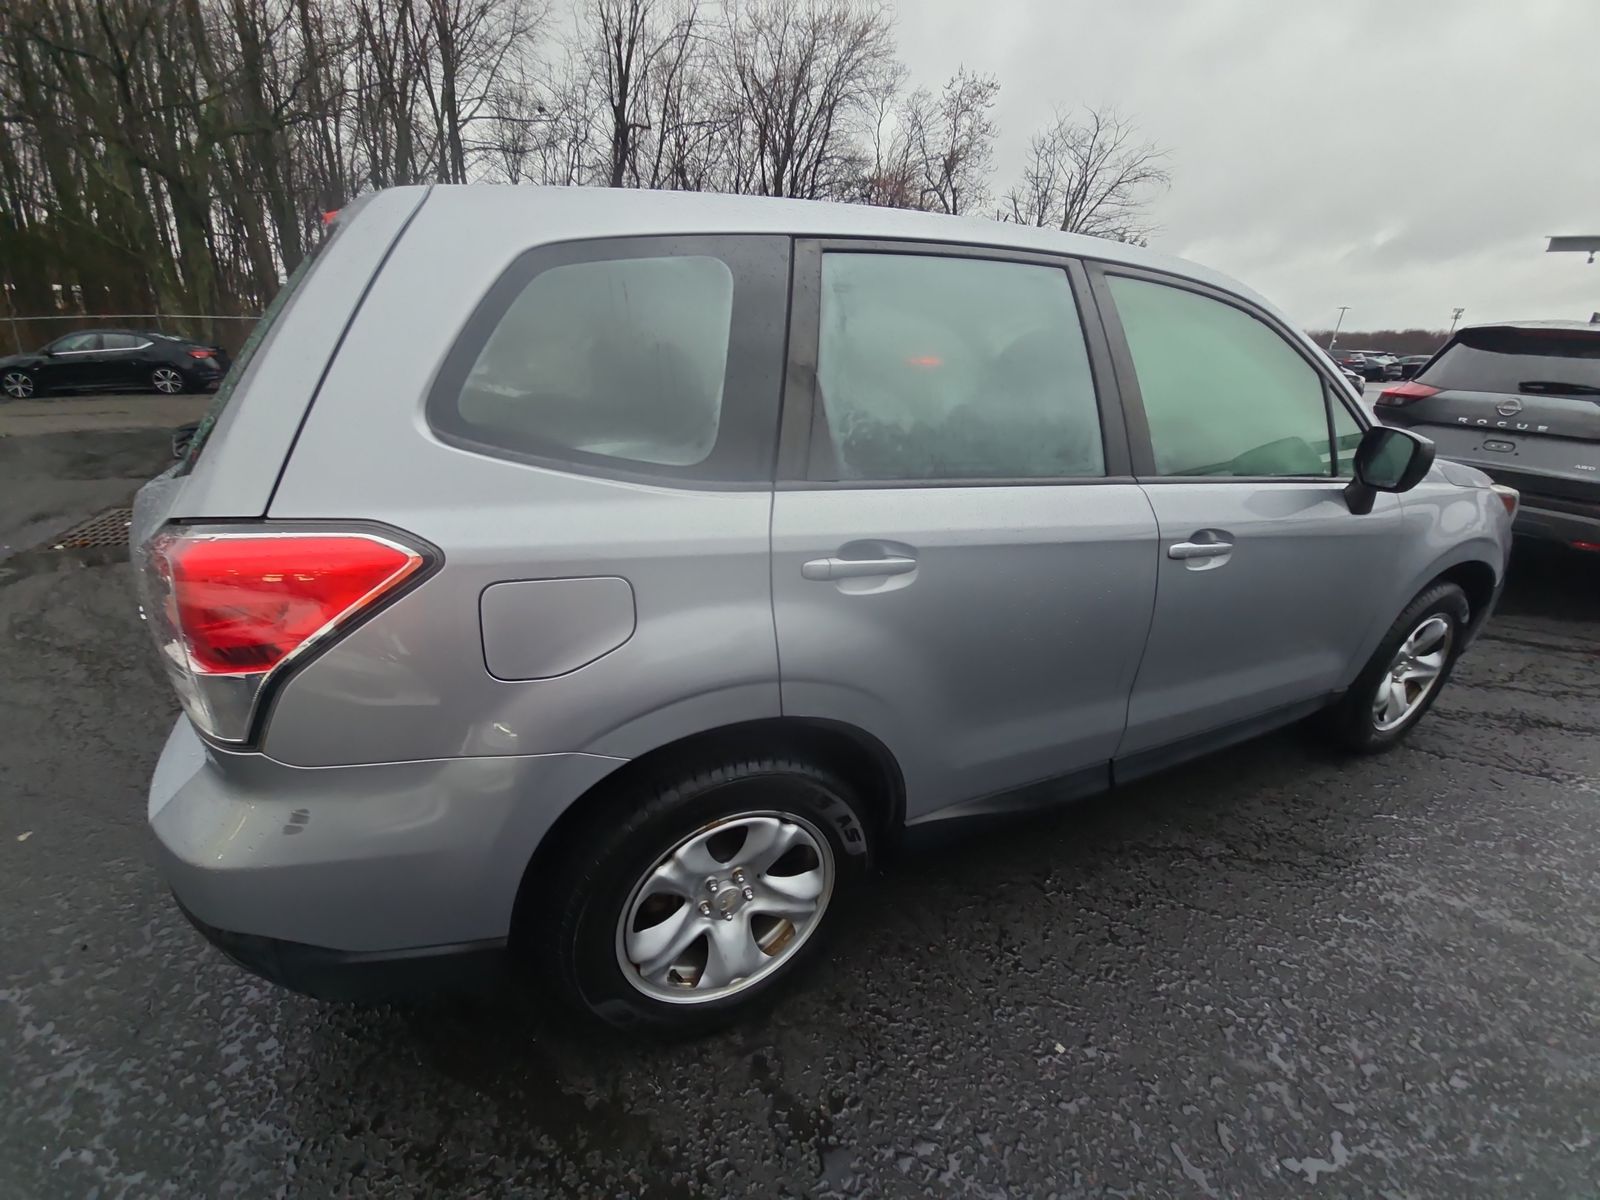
692 900
17 384
168 381
1403 677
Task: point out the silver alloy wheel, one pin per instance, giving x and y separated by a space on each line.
167 381
1413 674
18 385
725 907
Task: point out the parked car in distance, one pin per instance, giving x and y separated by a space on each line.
1521 402
1378 365
1410 364
113 360
648 563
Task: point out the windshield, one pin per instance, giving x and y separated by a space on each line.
1529 361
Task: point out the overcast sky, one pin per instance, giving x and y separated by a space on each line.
1398 156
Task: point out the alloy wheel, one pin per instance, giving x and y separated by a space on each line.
1415 672
725 907
167 381
17 385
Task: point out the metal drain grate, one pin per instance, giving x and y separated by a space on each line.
109 528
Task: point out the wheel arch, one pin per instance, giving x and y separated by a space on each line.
856 755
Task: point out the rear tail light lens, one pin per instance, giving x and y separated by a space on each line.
202 354
230 608
1509 497
1592 547
1408 392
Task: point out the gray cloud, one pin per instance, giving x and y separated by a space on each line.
1398 156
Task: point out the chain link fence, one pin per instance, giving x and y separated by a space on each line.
21 335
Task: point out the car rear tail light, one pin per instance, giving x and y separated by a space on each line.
202 354
1509 497
1590 546
231 608
1408 392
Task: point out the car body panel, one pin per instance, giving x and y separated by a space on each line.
435 850
1051 585
251 440
1270 623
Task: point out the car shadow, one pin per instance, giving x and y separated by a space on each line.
1550 581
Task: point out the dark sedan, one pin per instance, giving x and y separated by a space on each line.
1412 363
113 360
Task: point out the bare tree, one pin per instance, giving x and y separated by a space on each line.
952 139
801 78
1089 174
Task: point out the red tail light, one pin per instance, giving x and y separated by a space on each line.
202 354
231 606
1408 392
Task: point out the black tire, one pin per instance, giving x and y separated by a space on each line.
1350 723
630 830
21 380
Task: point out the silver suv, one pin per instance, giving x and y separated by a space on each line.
605 580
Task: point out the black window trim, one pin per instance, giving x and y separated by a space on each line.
747 429
1140 448
801 410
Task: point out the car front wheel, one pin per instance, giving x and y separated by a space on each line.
1403 677
694 899
17 384
167 380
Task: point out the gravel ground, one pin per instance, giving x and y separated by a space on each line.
1270 973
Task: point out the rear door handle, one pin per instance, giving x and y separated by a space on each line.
1199 549
857 568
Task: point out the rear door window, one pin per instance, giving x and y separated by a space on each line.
652 356
932 367
1552 362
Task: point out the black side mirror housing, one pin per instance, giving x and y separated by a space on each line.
1387 460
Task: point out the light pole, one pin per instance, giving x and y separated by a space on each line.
1455 315
1334 340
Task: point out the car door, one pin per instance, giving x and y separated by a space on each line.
124 361
962 566
1265 579
72 361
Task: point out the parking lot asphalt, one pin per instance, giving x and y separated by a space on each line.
1274 972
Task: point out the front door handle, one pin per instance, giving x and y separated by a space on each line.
857 568
1199 549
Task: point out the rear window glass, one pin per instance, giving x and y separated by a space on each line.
1530 361
618 358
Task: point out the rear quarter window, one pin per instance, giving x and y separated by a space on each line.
659 357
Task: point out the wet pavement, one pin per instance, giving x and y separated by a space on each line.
1271 973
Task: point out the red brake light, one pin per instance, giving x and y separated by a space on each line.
1408 392
229 606
244 604
202 354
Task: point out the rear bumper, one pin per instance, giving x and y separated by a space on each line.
1556 521
299 872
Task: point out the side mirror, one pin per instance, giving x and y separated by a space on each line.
1387 460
